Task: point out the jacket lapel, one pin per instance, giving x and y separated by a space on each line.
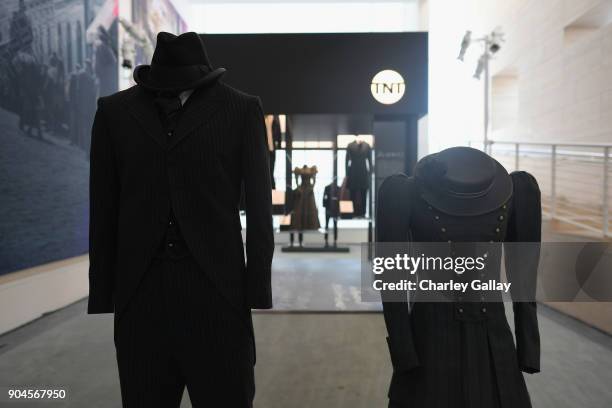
198 108
140 105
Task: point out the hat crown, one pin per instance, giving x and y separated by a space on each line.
459 171
463 181
467 171
183 50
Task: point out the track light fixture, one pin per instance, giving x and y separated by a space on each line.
492 44
465 43
480 66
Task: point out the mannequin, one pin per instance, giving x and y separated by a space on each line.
331 203
305 215
276 132
270 134
358 171
168 159
461 353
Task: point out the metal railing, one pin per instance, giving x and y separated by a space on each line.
574 178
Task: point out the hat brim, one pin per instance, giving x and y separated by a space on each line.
142 78
497 196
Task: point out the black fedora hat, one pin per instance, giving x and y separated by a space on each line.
179 63
463 181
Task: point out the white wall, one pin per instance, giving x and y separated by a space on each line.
563 63
456 100
552 82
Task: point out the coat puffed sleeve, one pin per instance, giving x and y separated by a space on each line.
522 254
393 225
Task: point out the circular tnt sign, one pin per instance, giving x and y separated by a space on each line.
388 87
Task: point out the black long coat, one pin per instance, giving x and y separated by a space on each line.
219 144
460 354
358 165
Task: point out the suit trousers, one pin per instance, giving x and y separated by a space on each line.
178 331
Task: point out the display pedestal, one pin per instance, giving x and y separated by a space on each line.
330 248
302 248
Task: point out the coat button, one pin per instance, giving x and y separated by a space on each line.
497 229
170 244
484 310
437 217
443 229
460 310
501 217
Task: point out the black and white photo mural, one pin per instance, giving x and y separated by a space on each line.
56 58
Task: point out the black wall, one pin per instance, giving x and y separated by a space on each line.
323 73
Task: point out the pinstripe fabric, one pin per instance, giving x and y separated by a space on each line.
218 145
179 331
182 317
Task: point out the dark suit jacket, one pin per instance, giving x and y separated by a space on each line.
219 144
462 353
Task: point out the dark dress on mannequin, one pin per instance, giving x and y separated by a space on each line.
273 144
459 354
305 215
358 168
276 132
166 251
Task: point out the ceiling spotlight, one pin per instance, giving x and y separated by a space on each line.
465 43
481 65
495 39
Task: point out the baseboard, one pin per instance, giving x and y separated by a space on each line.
28 294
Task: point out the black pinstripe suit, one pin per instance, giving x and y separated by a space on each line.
185 320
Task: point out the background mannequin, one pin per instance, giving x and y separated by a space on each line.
358 173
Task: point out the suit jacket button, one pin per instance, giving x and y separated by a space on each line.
484 310
460 310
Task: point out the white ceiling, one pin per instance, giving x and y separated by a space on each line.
272 16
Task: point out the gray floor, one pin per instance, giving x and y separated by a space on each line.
324 360
319 282
310 360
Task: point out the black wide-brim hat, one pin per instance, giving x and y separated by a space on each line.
179 63
463 181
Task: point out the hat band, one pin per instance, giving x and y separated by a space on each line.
433 181
173 76
476 194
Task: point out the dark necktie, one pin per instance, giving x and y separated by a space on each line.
169 107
